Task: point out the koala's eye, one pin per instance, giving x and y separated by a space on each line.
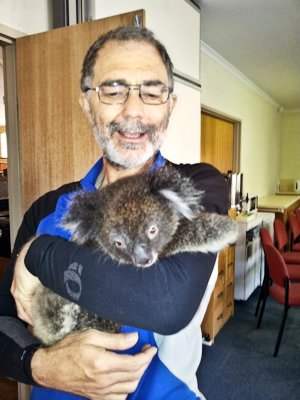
119 244
152 231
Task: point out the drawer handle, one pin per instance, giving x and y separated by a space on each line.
229 304
220 294
220 317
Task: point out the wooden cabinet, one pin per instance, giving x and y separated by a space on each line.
221 304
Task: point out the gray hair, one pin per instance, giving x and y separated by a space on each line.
124 33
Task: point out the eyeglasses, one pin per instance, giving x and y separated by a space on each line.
118 93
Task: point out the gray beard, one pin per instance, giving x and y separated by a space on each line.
112 154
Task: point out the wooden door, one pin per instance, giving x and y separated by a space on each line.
55 141
217 142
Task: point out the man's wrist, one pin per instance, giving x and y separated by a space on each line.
36 366
26 357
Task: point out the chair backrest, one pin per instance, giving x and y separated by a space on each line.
280 233
295 226
278 271
297 212
265 237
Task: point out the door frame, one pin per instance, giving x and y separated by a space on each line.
7 42
12 129
237 126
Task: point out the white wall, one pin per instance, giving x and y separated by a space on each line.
226 91
290 145
177 25
28 16
183 140
175 22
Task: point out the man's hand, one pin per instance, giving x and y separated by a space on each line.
84 363
23 286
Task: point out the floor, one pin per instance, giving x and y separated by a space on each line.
240 365
8 390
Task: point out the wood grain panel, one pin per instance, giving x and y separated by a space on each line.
221 304
56 144
217 142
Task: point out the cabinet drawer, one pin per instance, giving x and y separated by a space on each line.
222 260
219 301
228 311
220 284
219 293
229 274
229 294
231 254
219 321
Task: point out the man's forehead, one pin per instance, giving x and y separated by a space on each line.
129 58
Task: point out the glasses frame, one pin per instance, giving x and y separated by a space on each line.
97 89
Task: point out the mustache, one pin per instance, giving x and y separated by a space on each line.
131 127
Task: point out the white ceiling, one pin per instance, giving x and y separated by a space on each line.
262 39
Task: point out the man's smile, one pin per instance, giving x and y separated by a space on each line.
132 136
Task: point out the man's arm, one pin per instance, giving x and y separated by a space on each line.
53 254
22 358
162 298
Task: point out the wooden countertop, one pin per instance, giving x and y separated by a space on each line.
277 202
287 193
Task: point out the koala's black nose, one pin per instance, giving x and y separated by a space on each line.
142 257
143 261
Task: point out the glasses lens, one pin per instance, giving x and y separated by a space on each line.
156 94
113 94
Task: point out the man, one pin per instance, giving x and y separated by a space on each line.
127 95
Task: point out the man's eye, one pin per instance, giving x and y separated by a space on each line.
112 91
151 95
152 92
112 94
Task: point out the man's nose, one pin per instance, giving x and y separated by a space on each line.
134 107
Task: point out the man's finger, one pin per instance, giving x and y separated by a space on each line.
111 341
113 378
22 313
127 363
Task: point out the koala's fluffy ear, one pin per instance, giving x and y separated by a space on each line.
179 203
178 190
83 216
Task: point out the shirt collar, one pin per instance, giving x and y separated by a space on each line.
89 181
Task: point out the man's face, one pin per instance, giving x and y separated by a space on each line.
129 134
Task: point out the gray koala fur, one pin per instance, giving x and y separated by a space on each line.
135 220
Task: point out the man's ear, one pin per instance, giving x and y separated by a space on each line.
173 101
86 107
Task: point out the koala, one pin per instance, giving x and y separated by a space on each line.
135 220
